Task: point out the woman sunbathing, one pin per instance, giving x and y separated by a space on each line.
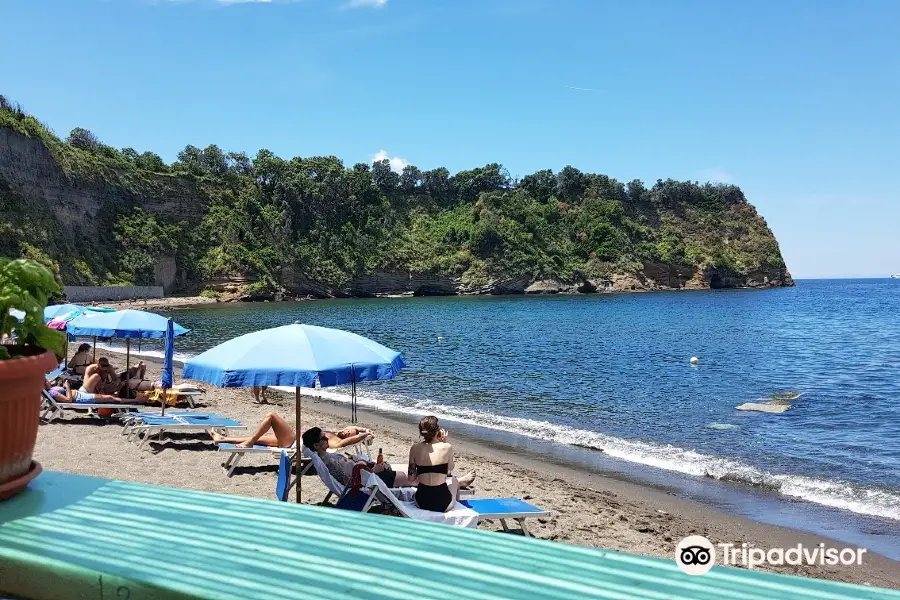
283 435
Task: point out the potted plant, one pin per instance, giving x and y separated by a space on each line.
29 351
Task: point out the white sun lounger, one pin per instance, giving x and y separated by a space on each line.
466 513
334 487
234 454
52 410
151 426
402 500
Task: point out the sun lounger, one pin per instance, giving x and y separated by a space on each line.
150 426
173 397
505 508
52 410
401 499
130 420
466 513
235 453
334 487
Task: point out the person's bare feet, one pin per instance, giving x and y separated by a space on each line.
467 479
215 435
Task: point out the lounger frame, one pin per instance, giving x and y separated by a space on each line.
52 410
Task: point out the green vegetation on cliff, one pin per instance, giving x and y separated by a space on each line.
283 223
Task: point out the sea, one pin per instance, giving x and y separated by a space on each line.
605 382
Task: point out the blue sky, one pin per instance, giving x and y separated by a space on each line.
797 102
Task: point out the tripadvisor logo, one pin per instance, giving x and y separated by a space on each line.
696 555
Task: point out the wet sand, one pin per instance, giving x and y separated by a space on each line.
589 509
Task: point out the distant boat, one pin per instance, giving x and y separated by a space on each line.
895 276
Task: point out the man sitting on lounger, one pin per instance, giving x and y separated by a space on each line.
101 378
283 435
341 467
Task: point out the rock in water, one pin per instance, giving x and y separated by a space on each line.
764 407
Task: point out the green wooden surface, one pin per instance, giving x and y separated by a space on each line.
70 537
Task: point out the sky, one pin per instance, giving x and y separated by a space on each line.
797 102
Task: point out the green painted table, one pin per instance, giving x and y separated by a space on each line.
70 537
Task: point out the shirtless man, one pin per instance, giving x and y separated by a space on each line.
101 378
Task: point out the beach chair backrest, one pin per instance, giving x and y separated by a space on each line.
283 486
330 482
48 399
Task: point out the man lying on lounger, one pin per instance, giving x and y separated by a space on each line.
283 435
65 393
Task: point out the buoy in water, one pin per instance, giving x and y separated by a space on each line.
694 360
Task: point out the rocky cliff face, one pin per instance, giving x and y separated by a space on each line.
31 172
67 205
654 277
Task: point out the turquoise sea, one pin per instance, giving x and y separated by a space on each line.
612 373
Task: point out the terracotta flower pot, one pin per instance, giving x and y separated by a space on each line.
21 382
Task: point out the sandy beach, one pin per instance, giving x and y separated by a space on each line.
589 509
157 303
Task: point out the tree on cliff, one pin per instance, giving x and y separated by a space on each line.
278 221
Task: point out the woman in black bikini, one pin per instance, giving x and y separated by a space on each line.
429 462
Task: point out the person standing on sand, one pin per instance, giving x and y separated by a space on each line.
260 390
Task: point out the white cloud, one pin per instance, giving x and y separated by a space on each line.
397 163
583 89
366 3
715 176
242 1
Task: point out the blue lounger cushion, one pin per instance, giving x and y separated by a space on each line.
502 507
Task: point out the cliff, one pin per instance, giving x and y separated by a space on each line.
272 228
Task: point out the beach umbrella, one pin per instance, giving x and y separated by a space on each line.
128 324
296 355
55 311
168 368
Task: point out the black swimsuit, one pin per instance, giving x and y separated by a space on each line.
433 497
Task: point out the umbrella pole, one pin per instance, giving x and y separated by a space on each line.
352 395
299 451
127 358
66 353
94 357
